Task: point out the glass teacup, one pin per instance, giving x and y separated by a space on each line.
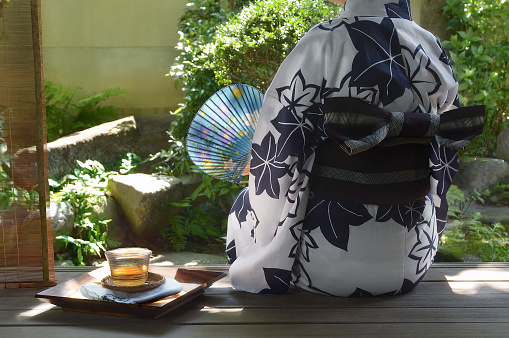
128 266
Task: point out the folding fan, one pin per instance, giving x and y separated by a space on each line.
220 136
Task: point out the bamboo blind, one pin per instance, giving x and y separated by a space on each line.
26 250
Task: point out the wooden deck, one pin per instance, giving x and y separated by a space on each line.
455 300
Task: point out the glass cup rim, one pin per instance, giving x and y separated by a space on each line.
129 250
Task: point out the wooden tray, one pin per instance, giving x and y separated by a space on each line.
68 296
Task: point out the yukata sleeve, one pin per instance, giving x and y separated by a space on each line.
265 221
444 161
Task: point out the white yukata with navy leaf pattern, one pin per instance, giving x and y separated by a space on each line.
279 231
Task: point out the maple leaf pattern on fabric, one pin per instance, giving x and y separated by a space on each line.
231 252
306 241
241 206
441 212
277 279
330 25
425 248
334 219
400 10
445 164
406 214
424 81
266 169
443 55
298 96
380 54
360 293
297 120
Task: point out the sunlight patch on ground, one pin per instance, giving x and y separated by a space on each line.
478 281
43 307
471 288
219 310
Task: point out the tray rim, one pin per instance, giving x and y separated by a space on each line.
203 278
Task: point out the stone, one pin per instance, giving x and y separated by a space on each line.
103 143
144 200
62 218
490 214
62 222
153 137
503 145
107 209
480 174
107 143
471 259
64 263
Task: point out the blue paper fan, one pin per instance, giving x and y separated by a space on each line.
220 136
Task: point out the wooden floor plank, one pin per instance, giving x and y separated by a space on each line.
481 301
454 300
238 315
436 294
295 330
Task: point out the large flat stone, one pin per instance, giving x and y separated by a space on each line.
503 145
480 174
107 143
144 200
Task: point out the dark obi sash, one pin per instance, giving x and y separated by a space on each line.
377 157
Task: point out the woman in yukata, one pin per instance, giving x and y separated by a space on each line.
351 159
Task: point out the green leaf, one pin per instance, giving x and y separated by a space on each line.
480 96
79 256
485 58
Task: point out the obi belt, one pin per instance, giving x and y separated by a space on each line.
378 157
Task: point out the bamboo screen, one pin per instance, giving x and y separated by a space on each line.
26 251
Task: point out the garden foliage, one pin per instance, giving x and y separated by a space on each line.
197 222
250 47
487 242
469 235
479 53
84 189
220 46
65 116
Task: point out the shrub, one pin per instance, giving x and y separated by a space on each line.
220 46
250 46
64 116
196 29
479 51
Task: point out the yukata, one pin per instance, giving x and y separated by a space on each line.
283 232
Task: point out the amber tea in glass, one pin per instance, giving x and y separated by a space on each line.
128 266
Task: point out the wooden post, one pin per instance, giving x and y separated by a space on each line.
42 161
